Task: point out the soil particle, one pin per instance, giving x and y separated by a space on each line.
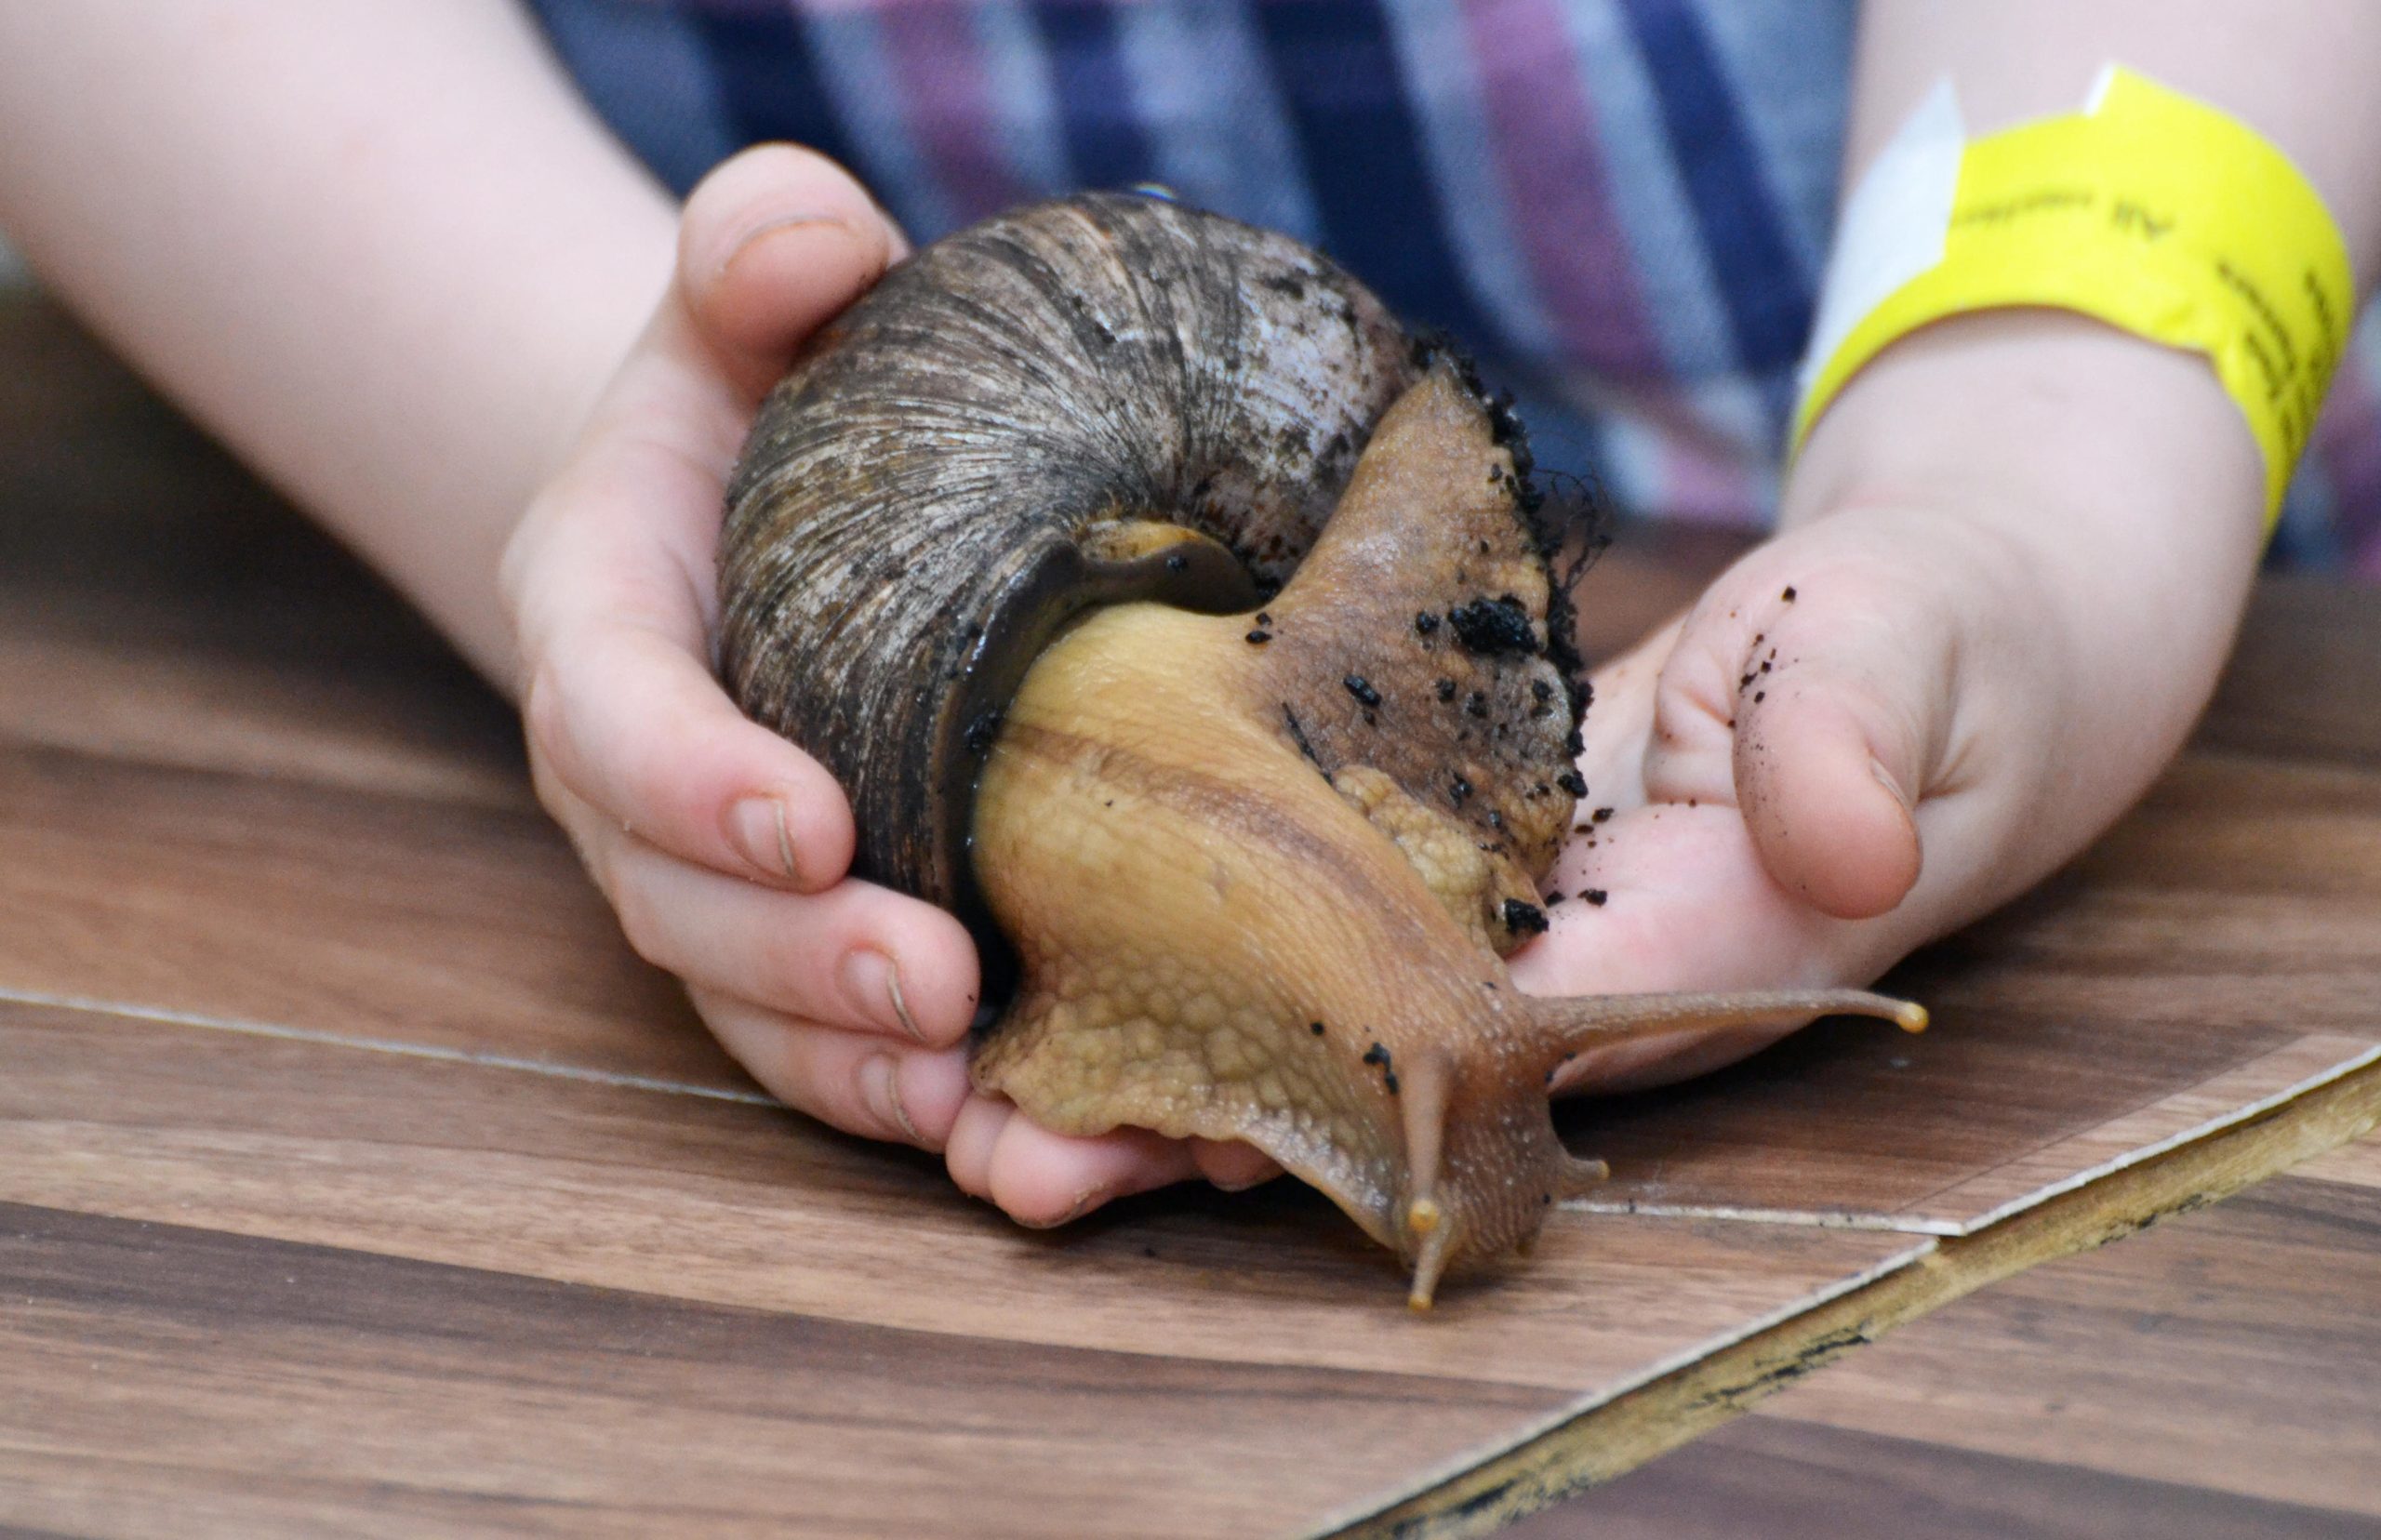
1524 919
1492 625
1594 896
1360 687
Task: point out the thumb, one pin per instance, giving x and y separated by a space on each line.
1821 767
773 243
1835 700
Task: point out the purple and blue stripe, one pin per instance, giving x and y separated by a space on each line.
1769 295
1336 69
1621 205
1104 125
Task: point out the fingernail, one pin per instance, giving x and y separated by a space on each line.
769 227
1877 768
1085 1204
874 981
1242 1184
758 827
879 1083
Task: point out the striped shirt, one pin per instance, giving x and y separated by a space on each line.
1621 206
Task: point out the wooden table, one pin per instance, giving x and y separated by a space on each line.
353 1177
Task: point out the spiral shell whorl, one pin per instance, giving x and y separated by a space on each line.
905 531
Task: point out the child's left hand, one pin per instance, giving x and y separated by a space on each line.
2012 561
724 847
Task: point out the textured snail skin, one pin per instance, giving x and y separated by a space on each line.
1259 868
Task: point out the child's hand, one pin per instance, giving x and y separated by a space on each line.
2012 561
724 847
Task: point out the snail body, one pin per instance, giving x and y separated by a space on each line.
1161 604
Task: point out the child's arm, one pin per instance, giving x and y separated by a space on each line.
2018 544
385 252
382 250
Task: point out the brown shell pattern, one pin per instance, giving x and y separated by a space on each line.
919 507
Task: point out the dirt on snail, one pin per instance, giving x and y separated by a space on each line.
1001 554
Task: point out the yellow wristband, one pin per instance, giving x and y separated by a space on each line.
2154 213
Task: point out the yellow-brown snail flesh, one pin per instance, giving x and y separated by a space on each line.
1160 601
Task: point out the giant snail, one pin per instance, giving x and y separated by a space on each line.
1164 607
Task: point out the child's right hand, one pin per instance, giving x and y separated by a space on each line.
724 847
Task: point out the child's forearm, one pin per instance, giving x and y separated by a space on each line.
2116 475
2299 72
382 250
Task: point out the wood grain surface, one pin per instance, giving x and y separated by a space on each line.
400 1397
1787 1480
354 1177
2214 1377
733 1204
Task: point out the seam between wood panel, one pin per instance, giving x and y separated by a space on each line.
1608 1437
1729 1214
2154 1099
2249 1113
481 802
1889 1224
1903 1224
1673 1363
386 1045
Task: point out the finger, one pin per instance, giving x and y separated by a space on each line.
1683 902
1821 766
852 1081
1231 1165
636 727
1041 1179
856 956
773 242
610 582
1842 709
1819 716
1618 724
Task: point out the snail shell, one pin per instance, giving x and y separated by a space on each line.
969 457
